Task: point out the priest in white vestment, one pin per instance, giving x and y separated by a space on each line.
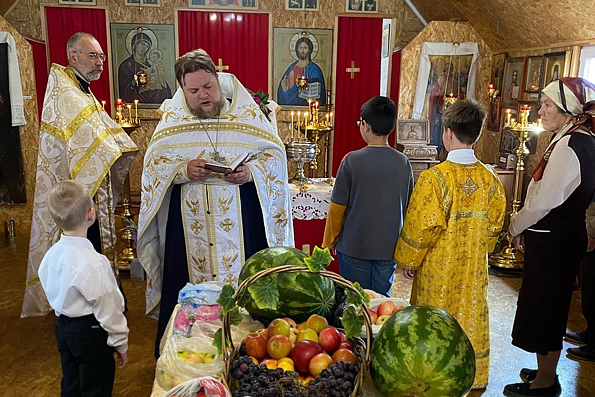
196 225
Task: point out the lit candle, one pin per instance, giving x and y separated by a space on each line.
136 111
129 113
331 118
508 117
298 119
327 119
292 124
103 104
306 125
491 87
316 107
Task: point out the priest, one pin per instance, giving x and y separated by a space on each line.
78 140
196 225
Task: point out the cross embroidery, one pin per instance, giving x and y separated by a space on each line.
352 70
469 187
227 224
220 67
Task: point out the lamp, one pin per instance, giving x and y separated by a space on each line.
450 98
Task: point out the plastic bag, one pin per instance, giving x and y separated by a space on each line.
374 303
200 294
190 388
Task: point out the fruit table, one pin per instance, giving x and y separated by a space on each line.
309 205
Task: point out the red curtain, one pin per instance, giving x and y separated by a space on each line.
41 70
395 83
365 51
240 40
63 22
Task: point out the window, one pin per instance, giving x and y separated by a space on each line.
587 64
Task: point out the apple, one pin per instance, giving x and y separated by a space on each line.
183 353
346 345
397 309
319 362
307 334
270 363
386 308
302 326
373 316
317 323
201 394
303 352
344 355
278 327
209 358
291 323
293 333
342 336
194 358
329 339
256 345
286 366
285 360
382 319
279 346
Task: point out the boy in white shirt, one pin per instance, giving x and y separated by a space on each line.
82 290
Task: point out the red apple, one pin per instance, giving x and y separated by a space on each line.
320 362
279 346
386 308
373 315
344 355
317 323
201 394
342 336
345 345
256 345
279 327
329 339
397 309
291 323
303 352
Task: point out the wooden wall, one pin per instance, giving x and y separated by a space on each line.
21 214
449 32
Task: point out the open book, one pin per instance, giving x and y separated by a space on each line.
227 169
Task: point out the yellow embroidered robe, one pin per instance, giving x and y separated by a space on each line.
453 220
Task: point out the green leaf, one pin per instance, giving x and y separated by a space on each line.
287 258
236 317
357 299
265 292
243 297
352 322
226 299
319 260
217 342
286 280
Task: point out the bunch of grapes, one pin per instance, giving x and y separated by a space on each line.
259 381
336 381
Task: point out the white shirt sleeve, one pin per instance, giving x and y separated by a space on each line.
101 291
561 177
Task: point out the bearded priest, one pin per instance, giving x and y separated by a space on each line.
77 140
195 224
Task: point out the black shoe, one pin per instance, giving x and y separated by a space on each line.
580 353
523 390
576 338
528 374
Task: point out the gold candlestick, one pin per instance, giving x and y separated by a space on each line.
509 256
292 124
129 113
136 111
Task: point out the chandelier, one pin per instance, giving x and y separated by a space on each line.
451 97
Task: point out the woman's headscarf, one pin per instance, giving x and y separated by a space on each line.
576 97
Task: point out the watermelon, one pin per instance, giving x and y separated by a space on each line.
310 294
422 351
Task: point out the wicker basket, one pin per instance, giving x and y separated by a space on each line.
361 348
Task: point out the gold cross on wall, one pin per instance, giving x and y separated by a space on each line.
220 67
352 69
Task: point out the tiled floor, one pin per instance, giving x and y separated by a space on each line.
30 363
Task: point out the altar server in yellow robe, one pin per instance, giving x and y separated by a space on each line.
454 217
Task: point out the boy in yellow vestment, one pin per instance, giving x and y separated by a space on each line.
453 220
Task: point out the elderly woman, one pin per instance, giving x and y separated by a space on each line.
552 223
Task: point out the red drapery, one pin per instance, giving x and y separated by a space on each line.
365 51
63 22
41 70
241 41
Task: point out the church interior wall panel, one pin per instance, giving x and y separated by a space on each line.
438 31
29 133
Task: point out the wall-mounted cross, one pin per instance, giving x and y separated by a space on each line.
220 67
352 69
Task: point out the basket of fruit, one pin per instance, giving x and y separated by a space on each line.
286 359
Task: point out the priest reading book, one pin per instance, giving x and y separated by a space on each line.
227 169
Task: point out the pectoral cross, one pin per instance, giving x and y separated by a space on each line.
220 67
352 69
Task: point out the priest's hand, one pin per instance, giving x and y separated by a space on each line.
241 175
196 169
121 359
409 274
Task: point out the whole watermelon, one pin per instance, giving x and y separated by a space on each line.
311 293
422 351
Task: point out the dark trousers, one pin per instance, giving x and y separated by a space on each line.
88 365
587 283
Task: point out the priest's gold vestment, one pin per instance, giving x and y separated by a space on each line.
453 220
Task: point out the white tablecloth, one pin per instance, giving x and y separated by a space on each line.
311 201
